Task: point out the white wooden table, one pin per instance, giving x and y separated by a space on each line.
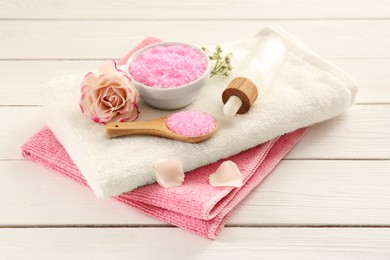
330 198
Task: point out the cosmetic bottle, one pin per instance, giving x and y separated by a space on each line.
254 75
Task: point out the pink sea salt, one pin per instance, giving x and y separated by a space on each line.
191 123
168 66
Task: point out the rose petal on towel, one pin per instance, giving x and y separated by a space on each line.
169 173
227 174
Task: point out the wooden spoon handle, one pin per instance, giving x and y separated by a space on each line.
154 127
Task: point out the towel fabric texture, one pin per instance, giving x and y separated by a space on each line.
307 90
196 205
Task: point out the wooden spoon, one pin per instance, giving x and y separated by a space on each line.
155 127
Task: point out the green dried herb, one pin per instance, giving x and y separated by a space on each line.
221 63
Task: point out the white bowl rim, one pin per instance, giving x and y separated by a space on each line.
135 54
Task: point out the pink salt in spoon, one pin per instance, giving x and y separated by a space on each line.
185 126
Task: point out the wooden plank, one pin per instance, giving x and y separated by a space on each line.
321 193
234 243
53 199
296 193
111 39
372 77
202 9
25 76
361 132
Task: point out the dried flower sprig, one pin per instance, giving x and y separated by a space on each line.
222 63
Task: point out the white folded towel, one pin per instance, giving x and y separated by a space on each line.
306 91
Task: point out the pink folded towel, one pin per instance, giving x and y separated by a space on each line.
195 206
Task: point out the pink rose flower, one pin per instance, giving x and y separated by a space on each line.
109 95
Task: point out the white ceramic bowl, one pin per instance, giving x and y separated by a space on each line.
171 98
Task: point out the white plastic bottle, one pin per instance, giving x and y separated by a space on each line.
254 76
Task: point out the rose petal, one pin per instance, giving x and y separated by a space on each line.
122 98
108 102
169 173
108 67
116 117
102 80
131 115
85 102
127 78
113 80
90 79
82 108
102 113
227 174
